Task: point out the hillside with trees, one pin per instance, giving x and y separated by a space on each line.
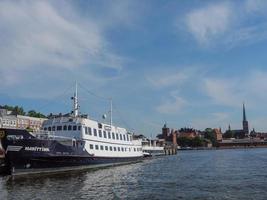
16 110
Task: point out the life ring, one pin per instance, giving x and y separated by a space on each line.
2 134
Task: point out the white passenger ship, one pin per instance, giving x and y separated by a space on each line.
71 141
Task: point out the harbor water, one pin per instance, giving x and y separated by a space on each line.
210 174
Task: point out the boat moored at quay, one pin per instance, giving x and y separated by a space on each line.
70 142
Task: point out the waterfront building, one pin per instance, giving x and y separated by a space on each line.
10 120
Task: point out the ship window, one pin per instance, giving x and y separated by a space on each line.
114 148
101 147
109 136
65 127
106 148
74 128
91 146
127 137
120 137
117 136
105 134
100 133
95 133
124 137
69 128
113 136
110 148
59 128
89 131
96 147
49 128
79 128
119 149
53 128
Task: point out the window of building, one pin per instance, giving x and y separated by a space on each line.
127 137
96 147
117 136
65 127
115 149
69 128
122 149
45 129
95 132
119 149
89 131
110 148
59 128
79 128
49 128
91 146
120 137
134 149
86 130
75 128
113 136
106 148
101 147
100 133
53 128
105 134
109 136
124 137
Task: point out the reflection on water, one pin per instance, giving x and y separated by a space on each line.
221 174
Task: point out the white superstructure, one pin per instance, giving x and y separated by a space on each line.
98 139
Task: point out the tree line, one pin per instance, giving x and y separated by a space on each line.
18 110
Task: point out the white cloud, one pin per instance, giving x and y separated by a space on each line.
36 33
223 91
232 92
213 120
209 22
163 80
43 43
255 5
172 106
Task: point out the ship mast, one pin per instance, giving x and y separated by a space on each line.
75 102
110 112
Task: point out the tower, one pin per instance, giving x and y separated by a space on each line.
245 122
165 131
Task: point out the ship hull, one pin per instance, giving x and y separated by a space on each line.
31 156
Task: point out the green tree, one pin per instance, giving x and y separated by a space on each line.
197 142
210 135
33 113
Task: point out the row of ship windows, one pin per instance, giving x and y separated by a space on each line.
64 128
88 131
110 148
105 134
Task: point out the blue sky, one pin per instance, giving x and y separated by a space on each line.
189 63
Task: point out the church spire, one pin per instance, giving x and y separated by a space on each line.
245 122
244 113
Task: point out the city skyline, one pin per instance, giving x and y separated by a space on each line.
189 63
